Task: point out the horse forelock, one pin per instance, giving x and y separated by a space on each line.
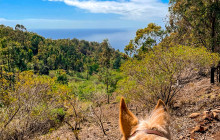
158 120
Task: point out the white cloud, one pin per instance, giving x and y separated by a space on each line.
133 9
2 19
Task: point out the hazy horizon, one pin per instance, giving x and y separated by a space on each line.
118 38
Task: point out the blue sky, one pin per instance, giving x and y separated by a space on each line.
66 14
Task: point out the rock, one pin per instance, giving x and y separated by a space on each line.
194 115
207 115
199 128
181 137
188 135
215 115
216 111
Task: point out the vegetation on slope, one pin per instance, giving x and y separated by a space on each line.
162 72
43 82
46 83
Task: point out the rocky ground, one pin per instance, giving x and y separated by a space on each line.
195 116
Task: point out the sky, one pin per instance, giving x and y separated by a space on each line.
83 14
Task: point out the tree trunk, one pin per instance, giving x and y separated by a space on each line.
102 127
213 33
212 80
107 94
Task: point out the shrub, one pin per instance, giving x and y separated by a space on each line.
34 106
85 90
62 77
79 75
59 113
163 71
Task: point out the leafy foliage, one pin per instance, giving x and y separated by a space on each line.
62 77
29 51
162 72
145 39
196 22
32 105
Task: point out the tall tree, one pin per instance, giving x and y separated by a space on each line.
20 29
105 75
145 39
197 22
35 41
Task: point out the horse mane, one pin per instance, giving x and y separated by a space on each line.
151 122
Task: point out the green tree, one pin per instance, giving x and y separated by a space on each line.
145 40
117 60
196 22
31 51
62 77
35 41
20 27
105 74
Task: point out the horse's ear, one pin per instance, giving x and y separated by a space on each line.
161 111
160 104
127 120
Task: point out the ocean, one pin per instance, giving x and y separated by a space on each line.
118 38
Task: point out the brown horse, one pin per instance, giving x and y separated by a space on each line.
155 127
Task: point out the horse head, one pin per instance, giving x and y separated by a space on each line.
154 127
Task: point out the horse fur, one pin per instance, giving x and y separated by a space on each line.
158 120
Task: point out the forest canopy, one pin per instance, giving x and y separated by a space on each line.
21 50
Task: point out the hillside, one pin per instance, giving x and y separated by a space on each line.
23 50
197 96
41 78
71 88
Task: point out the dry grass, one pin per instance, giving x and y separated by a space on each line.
196 96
